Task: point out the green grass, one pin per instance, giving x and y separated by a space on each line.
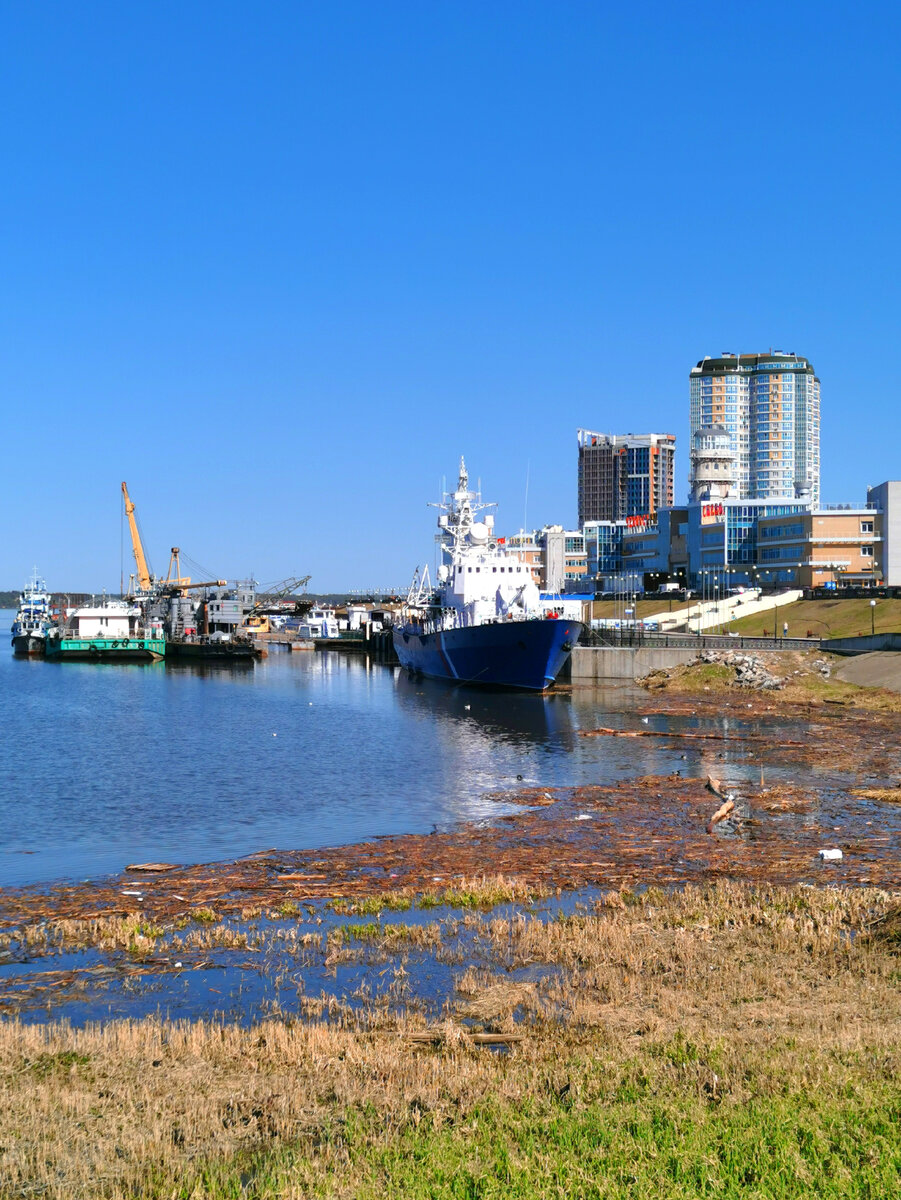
661 1126
721 1041
46 1065
370 932
823 618
370 905
612 610
204 916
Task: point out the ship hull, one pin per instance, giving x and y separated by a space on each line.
210 651
27 645
525 655
105 650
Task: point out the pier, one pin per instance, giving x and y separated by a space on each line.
378 646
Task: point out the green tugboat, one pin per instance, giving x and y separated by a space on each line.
107 632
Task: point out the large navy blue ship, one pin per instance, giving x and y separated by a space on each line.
484 622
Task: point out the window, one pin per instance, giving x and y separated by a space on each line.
866 527
866 551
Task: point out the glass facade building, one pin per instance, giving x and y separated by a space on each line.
624 475
770 406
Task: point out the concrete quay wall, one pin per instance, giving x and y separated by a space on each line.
598 663
864 644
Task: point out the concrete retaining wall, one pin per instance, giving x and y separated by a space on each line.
598 663
862 645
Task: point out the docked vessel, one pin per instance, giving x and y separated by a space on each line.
211 649
318 624
105 632
33 618
205 629
484 622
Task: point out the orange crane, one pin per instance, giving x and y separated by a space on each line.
144 577
171 583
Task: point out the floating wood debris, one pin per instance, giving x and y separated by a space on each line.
723 811
682 735
152 868
436 1036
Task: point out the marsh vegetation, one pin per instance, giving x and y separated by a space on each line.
722 1040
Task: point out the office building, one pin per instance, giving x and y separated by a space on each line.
769 404
603 541
885 499
624 476
556 557
781 543
839 547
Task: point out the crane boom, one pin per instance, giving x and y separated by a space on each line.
140 560
180 585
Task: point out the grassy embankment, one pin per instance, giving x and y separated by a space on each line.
823 618
613 610
803 682
717 1042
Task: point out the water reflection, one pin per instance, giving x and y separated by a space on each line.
516 718
201 762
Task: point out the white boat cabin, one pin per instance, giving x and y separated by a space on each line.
319 623
104 621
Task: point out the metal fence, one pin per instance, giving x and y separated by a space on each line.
636 638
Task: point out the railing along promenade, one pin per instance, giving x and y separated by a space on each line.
635 639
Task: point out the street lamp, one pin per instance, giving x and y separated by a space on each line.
716 600
873 617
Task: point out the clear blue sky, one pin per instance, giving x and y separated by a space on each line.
278 265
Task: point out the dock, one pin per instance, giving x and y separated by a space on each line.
378 646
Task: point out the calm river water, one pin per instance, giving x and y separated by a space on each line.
107 765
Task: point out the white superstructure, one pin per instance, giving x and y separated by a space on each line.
111 619
479 580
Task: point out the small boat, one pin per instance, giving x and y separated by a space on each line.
33 618
484 623
318 623
105 632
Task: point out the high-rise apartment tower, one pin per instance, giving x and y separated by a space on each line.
623 476
770 406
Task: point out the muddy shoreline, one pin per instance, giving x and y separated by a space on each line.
646 830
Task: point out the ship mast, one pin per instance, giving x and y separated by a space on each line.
458 513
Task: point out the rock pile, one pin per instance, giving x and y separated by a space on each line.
749 669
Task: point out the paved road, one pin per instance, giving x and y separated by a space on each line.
879 668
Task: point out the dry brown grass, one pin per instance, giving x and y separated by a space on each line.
780 977
885 795
706 960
